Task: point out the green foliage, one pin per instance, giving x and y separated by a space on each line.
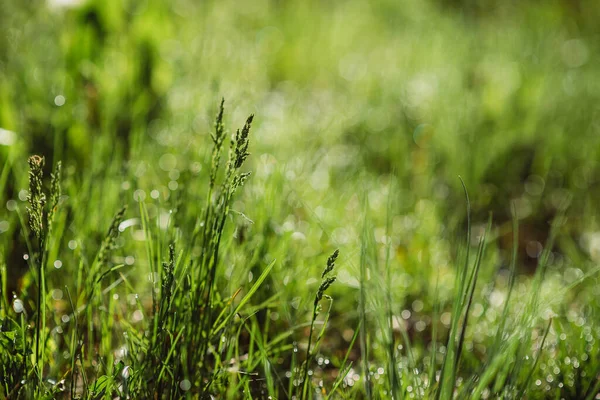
140 268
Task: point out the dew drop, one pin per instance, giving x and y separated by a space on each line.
59 100
11 205
185 385
137 316
18 306
57 294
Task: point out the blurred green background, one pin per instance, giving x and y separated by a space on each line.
347 94
350 97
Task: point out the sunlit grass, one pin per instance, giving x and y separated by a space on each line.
151 271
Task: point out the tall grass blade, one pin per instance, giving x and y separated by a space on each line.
394 380
448 374
364 341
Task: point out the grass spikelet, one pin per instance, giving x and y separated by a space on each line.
168 274
37 201
241 143
109 242
55 192
326 282
40 225
217 138
330 263
36 197
322 288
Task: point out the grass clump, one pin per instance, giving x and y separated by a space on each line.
183 332
191 330
187 335
145 270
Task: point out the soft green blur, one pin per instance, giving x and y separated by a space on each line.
503 94
351 98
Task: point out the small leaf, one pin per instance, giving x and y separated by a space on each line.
101 384
9 335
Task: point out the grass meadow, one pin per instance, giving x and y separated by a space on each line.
299 199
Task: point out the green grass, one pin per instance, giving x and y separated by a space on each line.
148 251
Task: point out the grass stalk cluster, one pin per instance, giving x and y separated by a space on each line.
191 335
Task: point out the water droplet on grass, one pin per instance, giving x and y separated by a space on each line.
185 385
174 175
4 226
18 306
139 195
60 100
11 205
137 316
167 162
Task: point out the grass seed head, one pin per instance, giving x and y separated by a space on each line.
241 143
330 263
55 192
327 281
110 239
168 271
36 198
323 287
219 129
217 138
